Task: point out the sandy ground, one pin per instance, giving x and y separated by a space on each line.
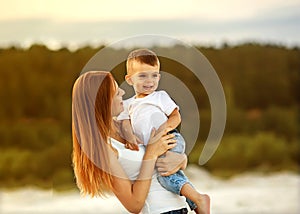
278 193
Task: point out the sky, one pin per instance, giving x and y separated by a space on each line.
73 23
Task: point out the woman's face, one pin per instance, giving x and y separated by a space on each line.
117 103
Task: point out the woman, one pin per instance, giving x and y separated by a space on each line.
101 162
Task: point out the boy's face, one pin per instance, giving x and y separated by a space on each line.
144 78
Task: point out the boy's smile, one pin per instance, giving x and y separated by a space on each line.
145 79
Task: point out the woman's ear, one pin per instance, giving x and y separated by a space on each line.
128 80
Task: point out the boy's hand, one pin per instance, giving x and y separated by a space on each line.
131 146
138 140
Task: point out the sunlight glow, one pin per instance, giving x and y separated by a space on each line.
70 10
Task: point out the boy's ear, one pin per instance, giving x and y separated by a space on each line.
128 80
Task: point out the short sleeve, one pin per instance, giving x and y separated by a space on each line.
166 103
124 115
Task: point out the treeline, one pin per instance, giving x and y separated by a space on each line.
261 84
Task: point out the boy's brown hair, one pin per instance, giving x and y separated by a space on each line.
145 56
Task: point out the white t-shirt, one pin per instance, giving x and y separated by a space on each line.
159 200
147 113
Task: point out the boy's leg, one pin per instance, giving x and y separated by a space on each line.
180 142
202 200
175 183
200 203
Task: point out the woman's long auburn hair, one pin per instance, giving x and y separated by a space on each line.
90 178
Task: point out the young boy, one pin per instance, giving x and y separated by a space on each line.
150 109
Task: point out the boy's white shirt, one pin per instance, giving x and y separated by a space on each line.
147 113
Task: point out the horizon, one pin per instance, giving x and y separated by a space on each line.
220 46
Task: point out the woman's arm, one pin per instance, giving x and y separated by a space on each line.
133 195
171 163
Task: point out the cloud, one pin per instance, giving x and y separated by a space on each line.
282 28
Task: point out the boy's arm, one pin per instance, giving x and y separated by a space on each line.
173 121
128 135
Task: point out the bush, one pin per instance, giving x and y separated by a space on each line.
239 153
282 121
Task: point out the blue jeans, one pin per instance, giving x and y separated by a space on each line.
175 182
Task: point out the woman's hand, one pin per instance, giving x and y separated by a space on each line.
159 143
171 163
